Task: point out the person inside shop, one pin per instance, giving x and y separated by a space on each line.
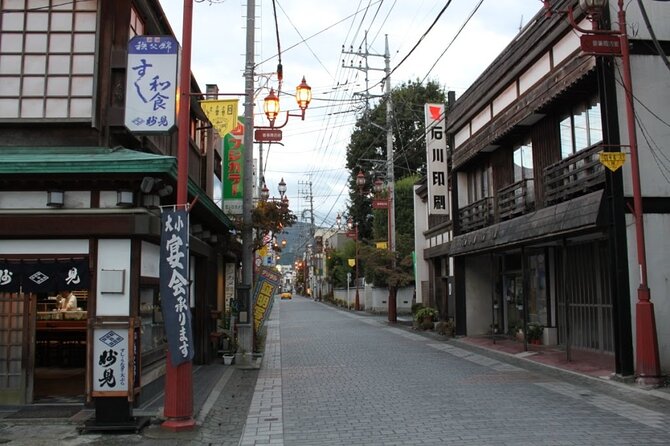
68 301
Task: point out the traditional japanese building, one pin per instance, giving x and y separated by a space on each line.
543 233
80 205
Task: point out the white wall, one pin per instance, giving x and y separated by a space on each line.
150 260
421 270
478 294
657 228
51 247
113 255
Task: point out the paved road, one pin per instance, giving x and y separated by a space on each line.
332 377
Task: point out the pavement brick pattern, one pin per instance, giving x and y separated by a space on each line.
351 379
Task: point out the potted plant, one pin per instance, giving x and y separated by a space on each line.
446 328
426 317
229 349
534 333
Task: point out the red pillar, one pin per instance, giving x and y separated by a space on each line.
179 380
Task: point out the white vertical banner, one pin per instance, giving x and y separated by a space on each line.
151 84
436 160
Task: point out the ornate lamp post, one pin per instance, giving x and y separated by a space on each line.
353 233
647 362
303 96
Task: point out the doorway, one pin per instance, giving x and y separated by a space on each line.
513 302
60 349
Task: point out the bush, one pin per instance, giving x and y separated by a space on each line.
416 307
445 328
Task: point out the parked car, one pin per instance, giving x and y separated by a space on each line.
286 295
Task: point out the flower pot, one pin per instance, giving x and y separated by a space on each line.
228 358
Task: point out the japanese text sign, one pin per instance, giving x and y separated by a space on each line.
110 360
151 84
612 160
174 285
266 285
233 163
44 277
221 113
436 159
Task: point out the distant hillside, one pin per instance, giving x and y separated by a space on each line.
297 237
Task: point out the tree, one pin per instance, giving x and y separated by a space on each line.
270 217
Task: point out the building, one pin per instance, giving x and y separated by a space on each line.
542 231
81 193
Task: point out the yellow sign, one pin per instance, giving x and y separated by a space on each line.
382 245
351 262
612 160
221 113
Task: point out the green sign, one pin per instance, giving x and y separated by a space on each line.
233 167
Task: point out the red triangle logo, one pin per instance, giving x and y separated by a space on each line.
435 112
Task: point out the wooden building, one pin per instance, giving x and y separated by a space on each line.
542 231
79 191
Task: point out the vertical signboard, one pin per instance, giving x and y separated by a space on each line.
233 164
266 285
151 84
436 159
174 285
111 361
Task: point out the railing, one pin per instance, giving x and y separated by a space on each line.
573 176
515 199
476 215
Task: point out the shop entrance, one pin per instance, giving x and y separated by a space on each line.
60 347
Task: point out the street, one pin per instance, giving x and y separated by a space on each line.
332 377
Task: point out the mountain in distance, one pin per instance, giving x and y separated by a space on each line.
297 238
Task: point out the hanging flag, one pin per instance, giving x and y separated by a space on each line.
221 113
233 163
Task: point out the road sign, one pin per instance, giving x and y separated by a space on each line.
380 203
612 160
600 44
267 135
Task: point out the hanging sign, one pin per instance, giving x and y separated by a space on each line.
221 113
44 276
436 159
600 44
612 160
174 285
233 163
151 84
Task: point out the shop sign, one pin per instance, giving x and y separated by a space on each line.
612 160
42 276
111 372
233 163
436 158
174 285
151 84
267 283
222 113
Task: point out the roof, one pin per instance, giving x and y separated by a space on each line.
100 160
69 160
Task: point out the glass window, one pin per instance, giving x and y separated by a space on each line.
479 184
523 162
581 128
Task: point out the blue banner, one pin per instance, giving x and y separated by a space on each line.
174 285
46 276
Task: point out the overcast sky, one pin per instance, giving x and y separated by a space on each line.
311 36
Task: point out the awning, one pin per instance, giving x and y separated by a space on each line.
578 215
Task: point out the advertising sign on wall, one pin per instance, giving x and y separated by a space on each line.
233 166
436 159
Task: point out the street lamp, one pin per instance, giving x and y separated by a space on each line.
303 96
647 359
353 232
282 188
265 192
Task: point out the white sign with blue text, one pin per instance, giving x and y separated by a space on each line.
151 84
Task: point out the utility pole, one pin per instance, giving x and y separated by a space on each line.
245 329
390 182
309 257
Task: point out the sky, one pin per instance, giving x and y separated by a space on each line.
312 33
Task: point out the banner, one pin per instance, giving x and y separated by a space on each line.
233 167
174 285
151 84
49 276
221 113
436 159
266 286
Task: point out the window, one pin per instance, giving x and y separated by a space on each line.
523 162
581 128
136 23
479 183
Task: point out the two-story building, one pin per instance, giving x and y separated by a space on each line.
543 233
81 198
